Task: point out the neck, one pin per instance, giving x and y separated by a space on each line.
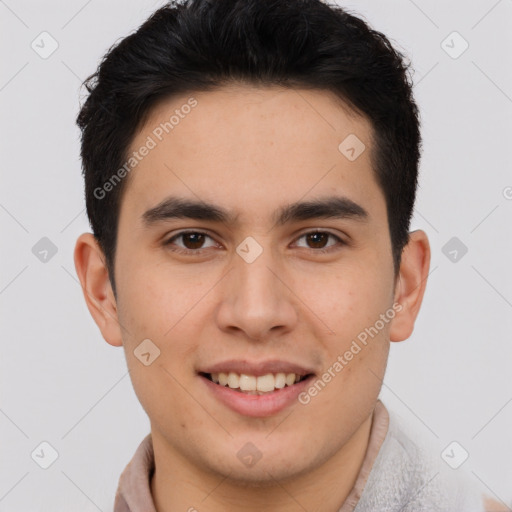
177 484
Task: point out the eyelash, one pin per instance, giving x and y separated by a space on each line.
200 251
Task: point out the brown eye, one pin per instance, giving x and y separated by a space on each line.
192 241
317 240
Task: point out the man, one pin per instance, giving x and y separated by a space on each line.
250 170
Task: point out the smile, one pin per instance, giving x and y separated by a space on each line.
255 385
254 402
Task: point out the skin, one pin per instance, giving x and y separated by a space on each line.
252 150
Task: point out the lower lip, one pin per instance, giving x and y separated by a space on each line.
257 406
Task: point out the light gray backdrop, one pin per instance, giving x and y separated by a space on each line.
62 384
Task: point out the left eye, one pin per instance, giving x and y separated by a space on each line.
193 241
318 236
196 238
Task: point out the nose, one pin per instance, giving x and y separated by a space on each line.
257 300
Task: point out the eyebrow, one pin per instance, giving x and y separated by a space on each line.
328 207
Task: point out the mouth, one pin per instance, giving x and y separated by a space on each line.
255 385
256 389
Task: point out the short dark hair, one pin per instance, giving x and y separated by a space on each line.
202 45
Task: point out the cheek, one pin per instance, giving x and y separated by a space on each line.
153 303
352 305
164 400
350 301
152 308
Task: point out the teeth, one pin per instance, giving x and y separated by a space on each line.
263 383
247 382
290 379
233 380
280 380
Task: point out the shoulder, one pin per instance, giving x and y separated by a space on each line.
414 459
492 505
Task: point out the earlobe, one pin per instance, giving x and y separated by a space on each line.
411 284
93 275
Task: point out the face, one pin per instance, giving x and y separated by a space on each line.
266 289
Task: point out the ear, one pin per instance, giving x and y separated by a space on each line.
99 296
411 284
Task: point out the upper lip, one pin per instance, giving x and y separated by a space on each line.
257 368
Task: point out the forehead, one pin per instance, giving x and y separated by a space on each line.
251 146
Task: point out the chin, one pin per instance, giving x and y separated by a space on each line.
265 475
279 461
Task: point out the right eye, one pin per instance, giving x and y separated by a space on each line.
192 239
